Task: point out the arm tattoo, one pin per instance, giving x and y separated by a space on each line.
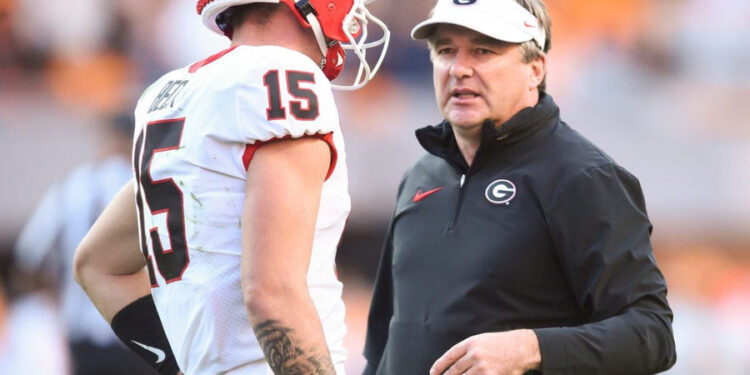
285 357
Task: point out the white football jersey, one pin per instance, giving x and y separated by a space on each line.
196 130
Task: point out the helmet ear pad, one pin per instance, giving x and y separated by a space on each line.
334 62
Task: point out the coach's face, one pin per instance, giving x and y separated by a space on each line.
478 78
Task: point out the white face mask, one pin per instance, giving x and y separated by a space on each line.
356 22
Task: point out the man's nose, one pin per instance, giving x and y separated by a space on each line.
461 65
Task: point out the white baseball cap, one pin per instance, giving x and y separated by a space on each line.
504 20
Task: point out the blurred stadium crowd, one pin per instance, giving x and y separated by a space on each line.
662 85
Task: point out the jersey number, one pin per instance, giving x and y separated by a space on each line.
163 197
276 110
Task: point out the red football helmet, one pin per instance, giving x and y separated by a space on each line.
337 25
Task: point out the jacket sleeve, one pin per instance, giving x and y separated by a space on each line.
601 232
381 306
381 309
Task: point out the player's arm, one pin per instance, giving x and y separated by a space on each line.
283 190
111 269
109 256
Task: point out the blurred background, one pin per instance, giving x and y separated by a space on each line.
660 85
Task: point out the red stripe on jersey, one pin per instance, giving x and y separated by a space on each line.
194 68
328 138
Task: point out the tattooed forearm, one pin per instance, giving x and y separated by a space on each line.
285 357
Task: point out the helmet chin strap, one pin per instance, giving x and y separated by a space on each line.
333 56
319 37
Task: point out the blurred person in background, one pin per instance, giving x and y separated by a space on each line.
241 196
516 246
32 340
47 244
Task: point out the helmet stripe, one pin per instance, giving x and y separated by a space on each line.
202 4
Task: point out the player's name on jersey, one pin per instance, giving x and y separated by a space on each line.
167 95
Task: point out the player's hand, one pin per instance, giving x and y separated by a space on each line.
497 353
179 372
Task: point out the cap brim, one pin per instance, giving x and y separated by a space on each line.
493 28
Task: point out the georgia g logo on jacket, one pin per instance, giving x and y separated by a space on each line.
500 192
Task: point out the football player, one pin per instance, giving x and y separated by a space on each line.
240 199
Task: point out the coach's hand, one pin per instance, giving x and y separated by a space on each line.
497 353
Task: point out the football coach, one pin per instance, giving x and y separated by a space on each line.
516 245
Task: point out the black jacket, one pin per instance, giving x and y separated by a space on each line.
543 231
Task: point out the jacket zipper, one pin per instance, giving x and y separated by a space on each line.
461 183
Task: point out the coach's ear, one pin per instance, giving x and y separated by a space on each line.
537 71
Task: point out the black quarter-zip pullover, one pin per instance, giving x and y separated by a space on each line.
543 231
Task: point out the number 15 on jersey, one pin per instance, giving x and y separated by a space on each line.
163 197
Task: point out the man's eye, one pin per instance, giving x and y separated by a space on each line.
483 51
443 51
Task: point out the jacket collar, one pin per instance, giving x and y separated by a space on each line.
440 141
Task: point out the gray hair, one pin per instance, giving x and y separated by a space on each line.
531 50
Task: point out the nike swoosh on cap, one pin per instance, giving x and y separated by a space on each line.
160 355
420 195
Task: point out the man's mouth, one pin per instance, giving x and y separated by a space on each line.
463 94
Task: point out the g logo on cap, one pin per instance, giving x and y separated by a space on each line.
500 192
464 2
